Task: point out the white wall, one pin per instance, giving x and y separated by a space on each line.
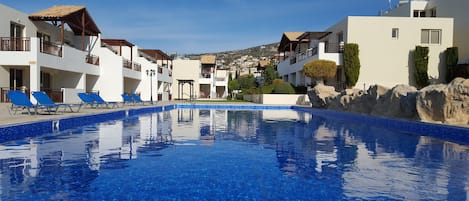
185 70
9 15
278 99
458 9
388 61
110 82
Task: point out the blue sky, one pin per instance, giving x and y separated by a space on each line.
201 26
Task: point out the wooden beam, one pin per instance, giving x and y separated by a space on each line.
62 31
83 31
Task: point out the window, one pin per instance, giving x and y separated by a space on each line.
16 30
419 13
433 12
430 36
395 33
43 36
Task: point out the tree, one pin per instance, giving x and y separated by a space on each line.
269 75
451 62
320 69
421 66
284 88
233 85
247 82
351 64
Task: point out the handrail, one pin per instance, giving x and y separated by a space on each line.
51 48
137 67
127 64
15 44
92 59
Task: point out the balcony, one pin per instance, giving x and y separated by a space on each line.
137 66
131 65
92 59
51 48
327 51
15 44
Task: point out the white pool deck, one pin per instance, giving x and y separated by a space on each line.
23 117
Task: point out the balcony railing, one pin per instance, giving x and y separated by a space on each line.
51 48
15 44
92 59
137 67
328 48
55 95
334 48
127 64
131 65
4 91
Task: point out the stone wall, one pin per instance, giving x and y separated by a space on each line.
435 103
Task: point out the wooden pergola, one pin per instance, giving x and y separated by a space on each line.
289 42
158 55
76 17
310 35
181 88
120 43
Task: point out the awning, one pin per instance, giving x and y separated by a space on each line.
77 18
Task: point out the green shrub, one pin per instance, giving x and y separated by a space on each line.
351 64
266 89
247 82
277 81
320 69
250 91
421 66
269 75
300 89
284 88
451 62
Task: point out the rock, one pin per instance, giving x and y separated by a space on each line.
398 102
321 95
445 103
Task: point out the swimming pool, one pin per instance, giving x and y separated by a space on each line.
211 153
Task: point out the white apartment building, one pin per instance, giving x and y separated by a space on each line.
199 79
386 45
56 52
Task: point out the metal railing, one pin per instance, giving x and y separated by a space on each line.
51 48
333 48
131 65
137 66
127 64
92 59
15 44
55 95
4 90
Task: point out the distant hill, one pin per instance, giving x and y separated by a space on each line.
267 51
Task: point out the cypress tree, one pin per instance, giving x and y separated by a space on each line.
351 64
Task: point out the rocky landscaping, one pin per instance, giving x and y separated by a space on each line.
443 103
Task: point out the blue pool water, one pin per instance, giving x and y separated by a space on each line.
218 154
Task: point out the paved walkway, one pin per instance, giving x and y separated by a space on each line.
7 119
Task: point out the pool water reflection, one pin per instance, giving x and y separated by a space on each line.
199 154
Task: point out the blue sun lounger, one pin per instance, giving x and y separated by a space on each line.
127 99
44 100
137 99
87 100
100 101
19 101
